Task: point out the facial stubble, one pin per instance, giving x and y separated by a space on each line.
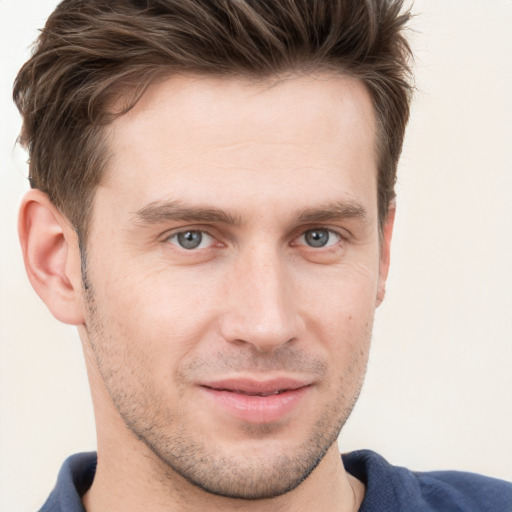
176 446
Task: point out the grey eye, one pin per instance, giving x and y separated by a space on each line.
319 237
192 239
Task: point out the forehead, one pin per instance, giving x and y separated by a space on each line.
203 132
231 108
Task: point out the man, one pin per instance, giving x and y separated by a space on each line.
212 206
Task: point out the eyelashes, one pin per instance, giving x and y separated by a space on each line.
191 240
318 238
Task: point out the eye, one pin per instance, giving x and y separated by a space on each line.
319 238
191 239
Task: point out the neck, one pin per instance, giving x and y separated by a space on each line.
129 478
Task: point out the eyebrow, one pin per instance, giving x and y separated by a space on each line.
159 212
338 210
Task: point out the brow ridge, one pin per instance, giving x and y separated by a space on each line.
159 212
337 210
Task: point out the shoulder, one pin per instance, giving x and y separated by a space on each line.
75 478
398 489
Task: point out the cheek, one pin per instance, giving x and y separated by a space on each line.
343 300
340 317
159 315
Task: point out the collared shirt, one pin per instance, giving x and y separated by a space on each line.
388 488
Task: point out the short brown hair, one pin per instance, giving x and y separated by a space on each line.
91 53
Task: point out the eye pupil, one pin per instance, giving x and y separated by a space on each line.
317 237
190 239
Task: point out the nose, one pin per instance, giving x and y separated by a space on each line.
261 308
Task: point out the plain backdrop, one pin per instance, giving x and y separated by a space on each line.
438 393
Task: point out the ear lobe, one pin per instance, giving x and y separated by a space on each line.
52 257
385 253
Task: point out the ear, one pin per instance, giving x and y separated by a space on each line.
52 256
385 250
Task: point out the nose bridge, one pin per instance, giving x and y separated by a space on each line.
261 309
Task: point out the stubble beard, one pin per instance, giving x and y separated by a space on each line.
179 450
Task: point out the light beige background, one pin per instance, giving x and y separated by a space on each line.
439 389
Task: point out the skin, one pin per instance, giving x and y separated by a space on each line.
255 170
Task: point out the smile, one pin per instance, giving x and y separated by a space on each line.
262 394
255 401
278 392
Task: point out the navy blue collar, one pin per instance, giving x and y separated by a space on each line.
388 488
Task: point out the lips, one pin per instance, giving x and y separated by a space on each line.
253 387
257 401
263 393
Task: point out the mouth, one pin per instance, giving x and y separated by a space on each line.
262 394
254 387
256 401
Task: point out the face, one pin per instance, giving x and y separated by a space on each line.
233 269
